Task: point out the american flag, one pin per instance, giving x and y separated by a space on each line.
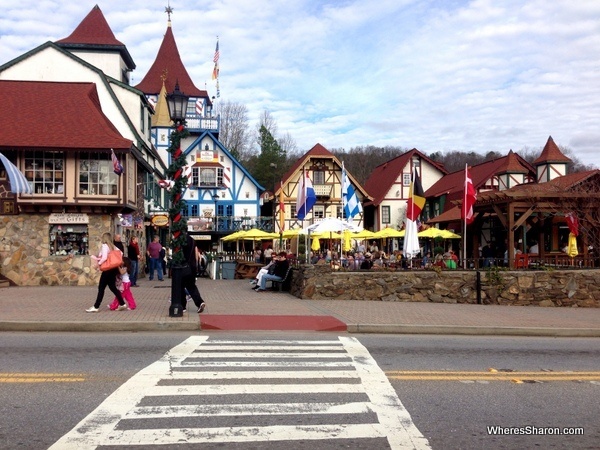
118 168
216 57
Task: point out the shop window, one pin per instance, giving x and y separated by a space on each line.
96 176
44 171
68 239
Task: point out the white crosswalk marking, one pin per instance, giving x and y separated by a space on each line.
219 392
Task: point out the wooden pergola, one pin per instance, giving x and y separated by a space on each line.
537 204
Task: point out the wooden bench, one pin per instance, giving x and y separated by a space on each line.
285 283
247 269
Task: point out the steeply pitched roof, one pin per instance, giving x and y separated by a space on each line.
75 120
318 151
168 63
551 153
94 33
385 175
453 184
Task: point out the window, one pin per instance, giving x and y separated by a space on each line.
406 179
68 239
207 176
45 172
318 212
318 177
339 212
385 214
292 211
96 176
195 212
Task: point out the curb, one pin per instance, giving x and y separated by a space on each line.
99 326
473 330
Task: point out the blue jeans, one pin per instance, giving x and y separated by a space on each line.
268 277
155 264
134 273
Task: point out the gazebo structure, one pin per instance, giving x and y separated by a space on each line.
540 213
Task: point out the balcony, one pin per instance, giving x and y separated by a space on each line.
196 122
323 190
229 224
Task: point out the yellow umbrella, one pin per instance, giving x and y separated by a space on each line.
446 234
572 246
255 234
287 234
315 245
347 244
430 233
364 234
388 233
233 236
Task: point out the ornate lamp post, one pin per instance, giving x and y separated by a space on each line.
177 102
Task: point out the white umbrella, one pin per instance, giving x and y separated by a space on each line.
411 239
331 225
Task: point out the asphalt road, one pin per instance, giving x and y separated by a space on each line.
453 388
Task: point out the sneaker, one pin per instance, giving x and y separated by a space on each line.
253 282
161 280
184 310
122 308
201 308
92 309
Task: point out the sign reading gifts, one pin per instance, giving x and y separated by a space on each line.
66 218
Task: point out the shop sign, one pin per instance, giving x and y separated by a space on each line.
200 237
160 220
65 218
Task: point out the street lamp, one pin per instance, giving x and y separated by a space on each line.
177 102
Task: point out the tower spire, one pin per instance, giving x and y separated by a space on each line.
169 11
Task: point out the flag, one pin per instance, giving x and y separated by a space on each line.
573 223
469 199
281 210
117 167
218 89
215 73
352 205
416 200
217 54
306 196
18 182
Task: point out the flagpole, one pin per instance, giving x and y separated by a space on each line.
464 221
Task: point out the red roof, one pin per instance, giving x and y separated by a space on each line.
51 115
94 32
385 175
551 153
169 62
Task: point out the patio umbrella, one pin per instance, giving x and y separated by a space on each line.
411 240
233 236
431 233
315 245
255 234
18 182
347 245
389 233
364 234
572 246
331 225
446 234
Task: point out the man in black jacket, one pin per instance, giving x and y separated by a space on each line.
279 272
188 280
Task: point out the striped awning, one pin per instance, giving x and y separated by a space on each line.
18 182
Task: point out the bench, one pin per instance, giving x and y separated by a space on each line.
283 284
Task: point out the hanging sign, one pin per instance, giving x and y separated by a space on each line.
160 220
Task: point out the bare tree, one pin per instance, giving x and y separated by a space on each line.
235 132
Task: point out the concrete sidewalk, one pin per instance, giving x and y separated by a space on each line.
233 305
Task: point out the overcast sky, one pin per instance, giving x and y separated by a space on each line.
437 75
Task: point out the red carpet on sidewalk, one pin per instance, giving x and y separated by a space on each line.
251 322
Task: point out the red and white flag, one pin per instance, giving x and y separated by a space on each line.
117 167
470 197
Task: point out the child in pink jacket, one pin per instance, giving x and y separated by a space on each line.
125 286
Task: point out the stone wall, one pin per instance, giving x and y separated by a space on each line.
498 287
25 252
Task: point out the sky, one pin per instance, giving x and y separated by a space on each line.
436 75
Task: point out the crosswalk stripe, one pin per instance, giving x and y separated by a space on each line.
352 398
262 374
153 412
168 436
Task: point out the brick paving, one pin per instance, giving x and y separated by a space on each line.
58 308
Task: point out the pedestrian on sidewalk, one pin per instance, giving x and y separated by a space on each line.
133 253
124 272
119 243
108 278
188 281
279 272
153 251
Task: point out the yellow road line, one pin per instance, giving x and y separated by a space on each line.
428 375
41 377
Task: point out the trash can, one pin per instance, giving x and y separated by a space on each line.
228 270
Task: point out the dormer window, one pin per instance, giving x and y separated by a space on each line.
207 176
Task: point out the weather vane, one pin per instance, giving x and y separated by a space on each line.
169 10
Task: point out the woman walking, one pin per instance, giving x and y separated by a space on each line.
108 277
133 252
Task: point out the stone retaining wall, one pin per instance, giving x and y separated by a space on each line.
498 287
